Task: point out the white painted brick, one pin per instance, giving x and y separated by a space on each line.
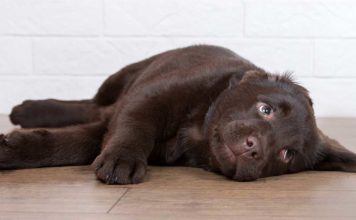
335 58
276 56
15 56
332 97
14 90
75 37
75 56
84 56
301 18
54 17
272 55
92 56
324 92
173 18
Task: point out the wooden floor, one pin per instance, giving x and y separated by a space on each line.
181 193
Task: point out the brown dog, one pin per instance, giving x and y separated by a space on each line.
200 106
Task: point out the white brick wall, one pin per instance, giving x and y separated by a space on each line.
65 48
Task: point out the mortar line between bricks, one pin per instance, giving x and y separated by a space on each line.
51 35
19 77
32 57
74 75
118 200
314 74
67 76
184 37
301 37
99 76
102 29
244 36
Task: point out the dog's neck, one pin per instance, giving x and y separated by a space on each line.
197 152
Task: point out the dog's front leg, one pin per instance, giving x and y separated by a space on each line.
129 141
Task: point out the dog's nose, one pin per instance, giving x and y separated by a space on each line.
252 148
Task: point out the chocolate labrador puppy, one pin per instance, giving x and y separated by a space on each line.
199 106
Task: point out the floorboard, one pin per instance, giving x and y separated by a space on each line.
181 193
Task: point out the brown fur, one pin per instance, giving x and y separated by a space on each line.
200 106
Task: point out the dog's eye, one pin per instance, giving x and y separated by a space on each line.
265 109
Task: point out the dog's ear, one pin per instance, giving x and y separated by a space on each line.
236 79
252 75
334 156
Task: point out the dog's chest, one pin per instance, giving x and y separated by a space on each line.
182 144
185 148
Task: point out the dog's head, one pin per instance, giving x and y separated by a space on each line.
264 125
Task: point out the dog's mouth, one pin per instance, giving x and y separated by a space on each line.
226 159
235 159
235 166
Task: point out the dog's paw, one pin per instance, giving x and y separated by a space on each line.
6 152
23 114
116 169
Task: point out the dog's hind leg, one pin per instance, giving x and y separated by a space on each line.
57 113
120 82
44 147
53 113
